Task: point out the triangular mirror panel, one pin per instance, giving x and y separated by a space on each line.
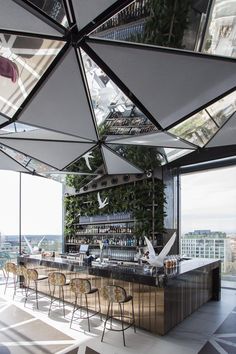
174 24
176 96
174 154
90 162
145 157
15 17
23 61
226 135
55 153
29 163
62 104
87 10
115 113
223 109
197 129
7 163
86 168
54 9
118 165
154 139
42 134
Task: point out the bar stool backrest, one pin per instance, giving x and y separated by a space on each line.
21 270
114 293
32 274
11 267
80 286
56 279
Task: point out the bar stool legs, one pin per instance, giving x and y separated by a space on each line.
82 287
117 294
56 280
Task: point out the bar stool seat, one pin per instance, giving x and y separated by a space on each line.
31 276
57 280
117 295
82 287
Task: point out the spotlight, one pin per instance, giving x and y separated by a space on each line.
94 185
103 183
114 180
85 188
149 174
126 178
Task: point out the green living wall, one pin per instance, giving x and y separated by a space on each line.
145 199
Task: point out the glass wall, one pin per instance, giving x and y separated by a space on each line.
208 218
31 210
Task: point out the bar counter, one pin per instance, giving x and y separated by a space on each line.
161 300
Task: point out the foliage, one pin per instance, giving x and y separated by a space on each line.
166 23
137 197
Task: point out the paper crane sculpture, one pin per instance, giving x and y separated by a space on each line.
35 249
158 260
101 203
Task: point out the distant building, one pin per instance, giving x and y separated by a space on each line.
207 244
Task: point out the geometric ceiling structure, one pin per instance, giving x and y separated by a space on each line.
26 21
62 104
226 135
8 163
87 10
147 70
154 139
73 103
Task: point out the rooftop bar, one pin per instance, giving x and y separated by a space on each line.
161 300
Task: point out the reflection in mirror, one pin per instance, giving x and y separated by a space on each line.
89 165
53 8
144 157
25 60
115 113
29 163
197 129
223 109
174 24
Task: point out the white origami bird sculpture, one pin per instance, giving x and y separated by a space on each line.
101 203
87 157
35 249
158 260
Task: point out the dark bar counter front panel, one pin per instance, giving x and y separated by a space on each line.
161 301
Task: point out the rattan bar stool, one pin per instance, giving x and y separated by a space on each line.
31 280
117 295
10 270
82 287
57 281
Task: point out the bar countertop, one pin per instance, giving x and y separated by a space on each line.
143 274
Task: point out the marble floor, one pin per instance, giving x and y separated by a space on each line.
189 337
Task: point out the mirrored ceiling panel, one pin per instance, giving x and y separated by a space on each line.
223 109
91 162
197 129
54 9
115 113
16 128
174 24
144 157
220 34
174 154
32 165
85 169
23 61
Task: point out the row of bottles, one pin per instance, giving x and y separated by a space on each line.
106 228
125 240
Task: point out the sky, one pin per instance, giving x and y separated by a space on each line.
41 202
208 200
